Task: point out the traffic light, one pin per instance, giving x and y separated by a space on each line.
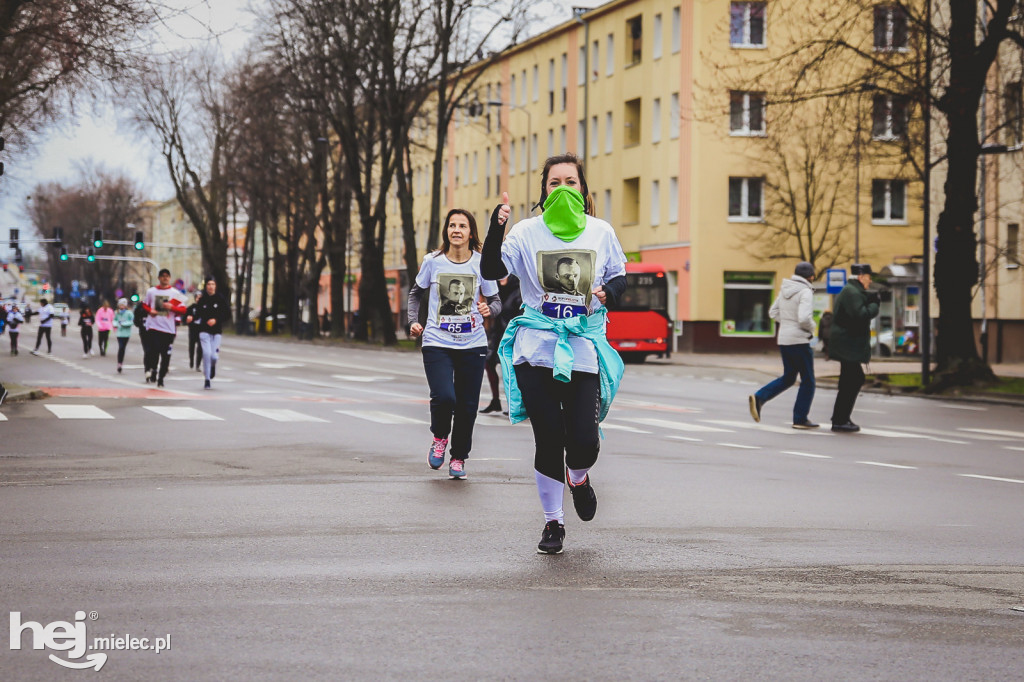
18 258
21 268
63 253
14 238
135 298
90 256
97 238
58 235
140 243
5 267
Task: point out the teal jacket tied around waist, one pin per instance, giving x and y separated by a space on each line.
587 326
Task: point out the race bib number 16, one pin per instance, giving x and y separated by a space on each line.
562 306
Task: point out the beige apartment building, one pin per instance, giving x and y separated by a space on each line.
678 160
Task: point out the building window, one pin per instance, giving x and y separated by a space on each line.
609 52
1013 245
581 68
889 202
889 117
581 136
746 199
487 171
634 40
512 91
673 117
497 169
631 136
609 133
565 79
522 88
1012 98
747 299
536 82
677 31
673 200
561 140
890 28
551 86
533 152
522 154
746 24
476 168
631 201
655 203
593 136
656 120
746 113
512 157
551 142
595 59
656 38
608 205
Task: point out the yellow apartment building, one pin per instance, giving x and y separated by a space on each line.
674 158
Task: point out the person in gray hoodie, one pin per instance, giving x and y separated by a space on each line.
794 311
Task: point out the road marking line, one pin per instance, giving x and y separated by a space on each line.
496 459
1013 447
762 427
361 379
741 447
684 438
891 434
995 432
890 466
78 412
331 363
278 365
2 417
281 415
622 427
182 413
992 478
963 407
806 454
678 426
381 417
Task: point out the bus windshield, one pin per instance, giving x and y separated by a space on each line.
644 291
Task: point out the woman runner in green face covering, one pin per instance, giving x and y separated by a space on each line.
558 367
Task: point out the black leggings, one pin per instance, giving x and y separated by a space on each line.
44 331
122 343
102 336
564 417
86 339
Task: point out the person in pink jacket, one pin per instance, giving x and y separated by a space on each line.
104 323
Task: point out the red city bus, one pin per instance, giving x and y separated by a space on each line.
639 325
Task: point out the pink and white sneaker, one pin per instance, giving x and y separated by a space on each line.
435 456
457 468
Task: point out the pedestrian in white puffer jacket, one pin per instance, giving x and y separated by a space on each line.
793 309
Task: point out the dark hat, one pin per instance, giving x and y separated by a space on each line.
861 269
805 270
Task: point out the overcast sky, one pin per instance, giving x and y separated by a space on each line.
97 137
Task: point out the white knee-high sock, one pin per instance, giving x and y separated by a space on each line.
550 492
577 475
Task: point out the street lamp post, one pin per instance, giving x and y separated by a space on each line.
865 87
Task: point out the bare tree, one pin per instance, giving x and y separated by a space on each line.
827 53
181 104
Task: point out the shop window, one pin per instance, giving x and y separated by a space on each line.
747 299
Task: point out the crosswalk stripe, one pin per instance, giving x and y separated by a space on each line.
763 427
806 454
621 427
995 432
381 417
78 412
992 478
281 415
889 466
182 413
2 417
678 426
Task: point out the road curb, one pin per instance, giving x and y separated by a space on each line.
17 393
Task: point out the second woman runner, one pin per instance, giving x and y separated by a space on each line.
454 340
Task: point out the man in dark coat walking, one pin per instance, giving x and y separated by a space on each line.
850 342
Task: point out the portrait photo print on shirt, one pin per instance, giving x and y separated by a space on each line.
567 278
456 293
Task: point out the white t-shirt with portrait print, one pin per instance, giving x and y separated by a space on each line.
556 278
453 320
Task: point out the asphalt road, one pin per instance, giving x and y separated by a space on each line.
285 526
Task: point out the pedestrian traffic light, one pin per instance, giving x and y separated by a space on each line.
14 238
97 238
140 243
18 258
135 298
90 256
58 235
63 253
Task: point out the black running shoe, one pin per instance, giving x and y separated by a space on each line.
160 383
583 498
551 538
494 406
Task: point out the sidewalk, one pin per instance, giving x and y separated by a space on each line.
771 364
17 392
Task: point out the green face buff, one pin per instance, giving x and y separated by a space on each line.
563 213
